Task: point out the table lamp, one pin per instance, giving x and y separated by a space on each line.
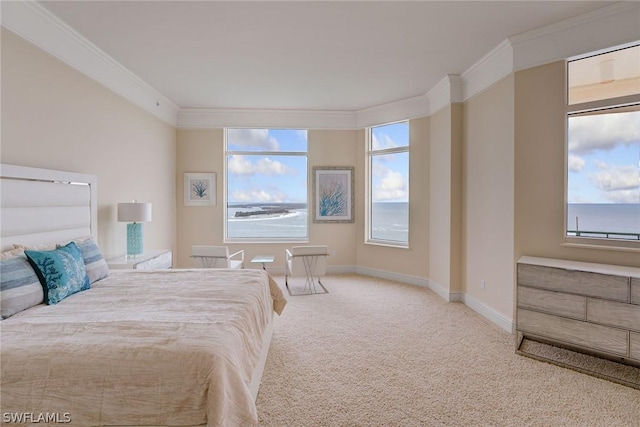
135 214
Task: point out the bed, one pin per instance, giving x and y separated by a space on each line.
183 347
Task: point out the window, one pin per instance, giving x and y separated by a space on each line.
266 179
603 147
388 184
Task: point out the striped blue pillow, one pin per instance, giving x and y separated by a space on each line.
94 262
19 286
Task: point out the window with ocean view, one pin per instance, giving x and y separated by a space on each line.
266 184
603 146
388 178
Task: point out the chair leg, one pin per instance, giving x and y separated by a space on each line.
310 281
309 266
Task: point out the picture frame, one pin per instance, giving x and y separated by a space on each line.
199 189
333 194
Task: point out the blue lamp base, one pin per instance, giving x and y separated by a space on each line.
134 239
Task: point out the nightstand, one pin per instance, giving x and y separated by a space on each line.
150 260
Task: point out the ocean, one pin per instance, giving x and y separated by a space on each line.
391 220
289 220
602 218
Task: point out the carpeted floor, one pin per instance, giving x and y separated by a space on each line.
378 353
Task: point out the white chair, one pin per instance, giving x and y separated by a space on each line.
308 261
216 257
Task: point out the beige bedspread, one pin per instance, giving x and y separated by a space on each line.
175 347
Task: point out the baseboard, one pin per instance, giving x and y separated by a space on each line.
411 280
444 293
341 269
488 312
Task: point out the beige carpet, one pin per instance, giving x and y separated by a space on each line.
373 352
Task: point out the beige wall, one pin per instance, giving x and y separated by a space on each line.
203 151
198 151
445 201
409 262
488 197
54 117
539 170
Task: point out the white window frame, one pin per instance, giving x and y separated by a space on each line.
580 108
228 153
368 186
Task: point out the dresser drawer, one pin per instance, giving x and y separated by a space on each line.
626 316
567 305
635 290
605 286
597 337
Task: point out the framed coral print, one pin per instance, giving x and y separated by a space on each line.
199 189
333 196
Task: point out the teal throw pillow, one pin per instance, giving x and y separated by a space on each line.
61 272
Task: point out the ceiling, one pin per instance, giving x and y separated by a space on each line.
302 55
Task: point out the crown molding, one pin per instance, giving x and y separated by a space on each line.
600 29
37 25
203 118
404 109
610 26
448 91
494 66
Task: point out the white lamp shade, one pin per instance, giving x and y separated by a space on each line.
134 212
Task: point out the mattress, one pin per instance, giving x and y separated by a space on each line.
170 347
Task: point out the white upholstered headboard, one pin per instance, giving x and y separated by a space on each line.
46 206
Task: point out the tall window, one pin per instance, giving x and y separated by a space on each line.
388 178
603 146
266 192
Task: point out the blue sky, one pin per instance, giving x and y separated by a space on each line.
390 172
281 178
603 162
267 178
604 158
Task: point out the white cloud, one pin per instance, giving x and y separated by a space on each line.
576 164
266 166
603 131
392 187
258 195
623 196
385 141
619 184
253 138
242 165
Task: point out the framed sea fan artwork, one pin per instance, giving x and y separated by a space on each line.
333 195
199 189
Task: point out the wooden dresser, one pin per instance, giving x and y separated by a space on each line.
594 308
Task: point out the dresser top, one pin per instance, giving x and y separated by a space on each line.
615 270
